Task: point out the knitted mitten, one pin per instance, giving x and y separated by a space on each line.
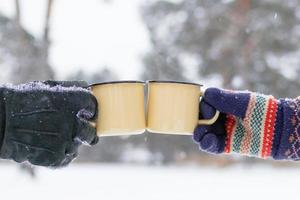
251 124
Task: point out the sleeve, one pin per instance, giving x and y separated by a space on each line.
288 147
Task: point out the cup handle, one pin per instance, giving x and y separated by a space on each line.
209 121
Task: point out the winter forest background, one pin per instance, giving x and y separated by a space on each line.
236 44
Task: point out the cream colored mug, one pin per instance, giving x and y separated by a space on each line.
121 107
173 107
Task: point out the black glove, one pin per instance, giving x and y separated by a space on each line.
45 122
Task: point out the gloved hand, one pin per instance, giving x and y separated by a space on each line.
251 124
45 122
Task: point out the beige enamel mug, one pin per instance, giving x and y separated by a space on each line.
121 107
173 107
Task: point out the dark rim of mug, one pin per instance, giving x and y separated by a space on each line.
115 82
180 82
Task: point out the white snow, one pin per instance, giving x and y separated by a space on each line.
37 85
115 182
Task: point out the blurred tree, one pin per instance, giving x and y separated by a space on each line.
249 44
17 14
23 57
99 76
162 66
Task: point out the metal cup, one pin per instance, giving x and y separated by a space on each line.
121 107
173 107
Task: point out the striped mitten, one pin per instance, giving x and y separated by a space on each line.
250 124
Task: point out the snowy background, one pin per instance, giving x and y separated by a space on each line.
133 182
89 34
239 44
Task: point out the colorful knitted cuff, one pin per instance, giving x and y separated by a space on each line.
254 134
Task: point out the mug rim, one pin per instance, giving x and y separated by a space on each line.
116 82
172 81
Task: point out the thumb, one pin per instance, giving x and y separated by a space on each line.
230 102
